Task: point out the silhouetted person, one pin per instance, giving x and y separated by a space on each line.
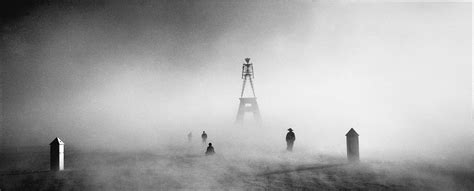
204 137
290 139
190 136
210 150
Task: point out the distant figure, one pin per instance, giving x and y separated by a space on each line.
190 136
290 139
210 150
204 137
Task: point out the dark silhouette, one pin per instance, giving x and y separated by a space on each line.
352 141
204 137
290 139
247 104
190 136
210 150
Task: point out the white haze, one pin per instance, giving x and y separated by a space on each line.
142 75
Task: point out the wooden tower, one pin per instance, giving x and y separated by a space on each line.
248 104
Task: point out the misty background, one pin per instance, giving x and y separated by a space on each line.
140 74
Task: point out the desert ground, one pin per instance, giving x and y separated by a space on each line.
185 167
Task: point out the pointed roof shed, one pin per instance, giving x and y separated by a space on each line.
352 133
57 141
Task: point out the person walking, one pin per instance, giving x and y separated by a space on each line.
204 137
190 136
290 139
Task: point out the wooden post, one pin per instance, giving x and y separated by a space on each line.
352 140
57 155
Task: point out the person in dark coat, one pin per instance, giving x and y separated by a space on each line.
290 139
204 137
210 150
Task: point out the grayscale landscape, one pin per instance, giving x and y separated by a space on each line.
115 95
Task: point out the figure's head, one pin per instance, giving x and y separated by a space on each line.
247 60
210 144
290 129
203 131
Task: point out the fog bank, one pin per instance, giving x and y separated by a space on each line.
141 75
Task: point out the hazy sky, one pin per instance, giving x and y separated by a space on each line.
112 72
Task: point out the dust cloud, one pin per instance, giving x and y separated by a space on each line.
132 79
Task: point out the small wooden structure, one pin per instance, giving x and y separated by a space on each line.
57 154
352 140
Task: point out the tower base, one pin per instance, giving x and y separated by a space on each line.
248 105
